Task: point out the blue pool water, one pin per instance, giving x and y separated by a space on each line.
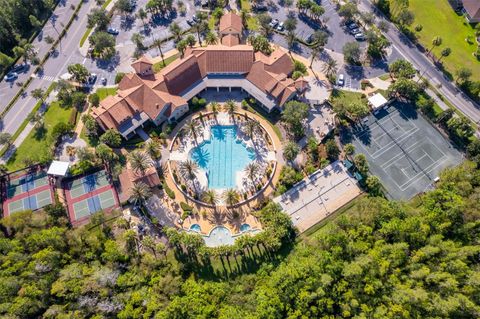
244 227
222 156
196 228
219 236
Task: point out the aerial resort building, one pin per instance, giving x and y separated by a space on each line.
158 97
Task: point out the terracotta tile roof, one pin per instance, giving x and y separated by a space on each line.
156 94
230 23
277 62
142 65
224 59
230 40
128 178
473 8
184 74
114 110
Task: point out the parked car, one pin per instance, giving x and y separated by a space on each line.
341 80
352 25
92 78
280 27
355 31
10 76
112 31
273 23
19 67
190 22
260 7
359 37
195 19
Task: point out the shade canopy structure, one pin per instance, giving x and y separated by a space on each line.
377 101
58 168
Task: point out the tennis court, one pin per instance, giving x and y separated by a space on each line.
26 191
32 202
88 184
88 195
94 204
403 149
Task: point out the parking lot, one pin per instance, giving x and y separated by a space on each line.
402 149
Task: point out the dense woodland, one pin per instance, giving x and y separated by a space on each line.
18 20
379 260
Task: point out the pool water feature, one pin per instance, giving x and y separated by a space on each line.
219 236
196 228
245 227
222 156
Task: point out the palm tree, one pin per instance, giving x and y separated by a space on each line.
158 43
290 151
210 197
139 161
199 28
445 52
154 150
176 31
38 94
188 169
316 50
251 127
140 193
231 197
211 38
230 107
252 171
214 106
436 41
330 68
193 128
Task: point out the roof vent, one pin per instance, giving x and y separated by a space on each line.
156 104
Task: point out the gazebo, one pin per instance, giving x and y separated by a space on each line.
377 101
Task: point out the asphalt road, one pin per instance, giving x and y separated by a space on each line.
462 102
53 69
52 28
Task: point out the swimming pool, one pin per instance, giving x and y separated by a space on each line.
196 228
222 156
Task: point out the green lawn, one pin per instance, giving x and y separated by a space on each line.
104 92
438 19
37 144
159 65
346 97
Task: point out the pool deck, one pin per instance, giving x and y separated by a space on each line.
222 216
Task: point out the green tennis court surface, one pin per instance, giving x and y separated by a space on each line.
88 184
94 204
32 202
26 183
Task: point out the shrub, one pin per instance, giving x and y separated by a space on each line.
183 187
118 77
60 129
167 190
73 117
244 104
299 67
94 99
185 207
